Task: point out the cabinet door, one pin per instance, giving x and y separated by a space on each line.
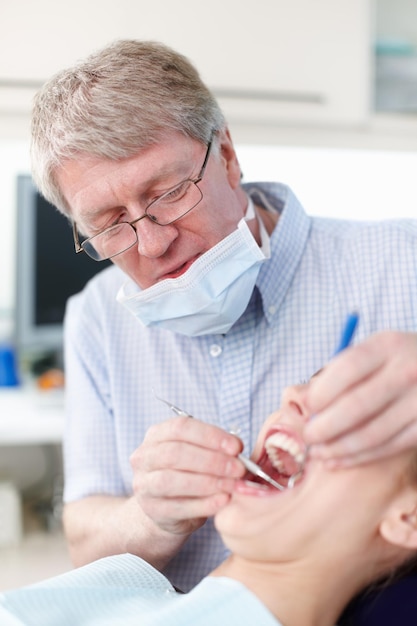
266 60
301 61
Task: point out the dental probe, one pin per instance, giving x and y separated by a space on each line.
253 468
345 341
250 465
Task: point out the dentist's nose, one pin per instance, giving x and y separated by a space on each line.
153 239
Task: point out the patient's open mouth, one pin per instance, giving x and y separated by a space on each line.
282 455
285 452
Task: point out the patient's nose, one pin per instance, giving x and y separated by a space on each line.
293 401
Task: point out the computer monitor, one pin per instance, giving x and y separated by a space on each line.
47 272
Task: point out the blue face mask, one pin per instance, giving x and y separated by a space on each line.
209 297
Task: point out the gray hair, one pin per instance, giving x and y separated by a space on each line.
116 102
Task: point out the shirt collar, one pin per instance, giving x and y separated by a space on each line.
288 242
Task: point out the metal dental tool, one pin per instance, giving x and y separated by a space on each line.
250 465
294 477
254 469
173 408
345 340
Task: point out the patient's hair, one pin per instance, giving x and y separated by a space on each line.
118 101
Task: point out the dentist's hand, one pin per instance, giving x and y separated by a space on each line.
184 472
365 401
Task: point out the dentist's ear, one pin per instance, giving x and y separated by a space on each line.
229 157
399 526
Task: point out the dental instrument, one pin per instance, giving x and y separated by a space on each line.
173 408
250 465
345 340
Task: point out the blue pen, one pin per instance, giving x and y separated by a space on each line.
348 332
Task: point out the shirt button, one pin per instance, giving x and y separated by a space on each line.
272 310
215 350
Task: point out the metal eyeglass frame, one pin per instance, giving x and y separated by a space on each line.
79 245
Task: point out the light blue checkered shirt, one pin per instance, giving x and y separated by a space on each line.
320 270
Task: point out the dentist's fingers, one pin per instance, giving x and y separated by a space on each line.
365 398
185 471
397 444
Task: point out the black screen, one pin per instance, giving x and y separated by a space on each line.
48 271
59 272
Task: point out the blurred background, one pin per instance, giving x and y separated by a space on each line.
319 95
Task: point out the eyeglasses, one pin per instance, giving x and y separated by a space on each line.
165 210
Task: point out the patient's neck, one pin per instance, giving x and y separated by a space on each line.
298 593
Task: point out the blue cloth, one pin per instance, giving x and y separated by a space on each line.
393 605
320 270
128 591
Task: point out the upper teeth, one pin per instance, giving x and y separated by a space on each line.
281 441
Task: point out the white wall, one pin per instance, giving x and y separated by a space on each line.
353 184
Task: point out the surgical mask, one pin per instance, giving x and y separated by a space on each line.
211 295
